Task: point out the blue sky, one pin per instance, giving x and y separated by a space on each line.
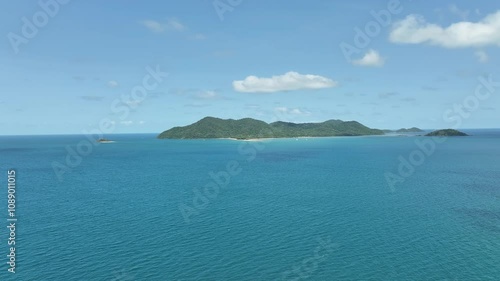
270 60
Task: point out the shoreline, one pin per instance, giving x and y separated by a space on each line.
307 137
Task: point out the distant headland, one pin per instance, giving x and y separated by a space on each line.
248 128
404 130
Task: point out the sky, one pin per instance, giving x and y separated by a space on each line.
69 67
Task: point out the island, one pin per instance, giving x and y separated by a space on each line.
404 130
446 133
102 140
248 128
409 130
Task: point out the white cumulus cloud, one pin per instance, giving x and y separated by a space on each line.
289 81
371 58
414 29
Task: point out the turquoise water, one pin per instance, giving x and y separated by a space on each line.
305 209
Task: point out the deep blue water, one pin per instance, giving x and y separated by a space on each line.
299 209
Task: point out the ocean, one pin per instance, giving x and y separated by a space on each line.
340 208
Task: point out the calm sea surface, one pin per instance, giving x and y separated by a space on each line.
286 209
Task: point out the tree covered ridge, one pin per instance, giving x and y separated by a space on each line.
248 128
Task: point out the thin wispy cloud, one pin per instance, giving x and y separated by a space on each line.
181 92
488 108
414 29
92 98
291 111
198 36
153 25
463 14
133 104
207 95
112 84
176 25
429 88
290 81
223 53
387 95
252 106
482 56
196 105
159 27
155 95
132 123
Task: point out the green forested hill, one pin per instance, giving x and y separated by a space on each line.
248 128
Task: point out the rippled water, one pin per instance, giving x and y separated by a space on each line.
299 209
